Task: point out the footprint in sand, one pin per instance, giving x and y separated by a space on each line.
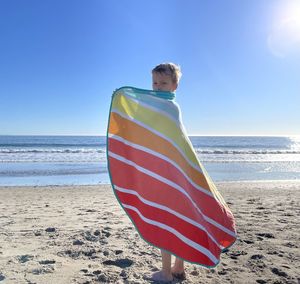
266 235
92 237
97 276
71 253
288 214
37 233
91 253
283 221
249 242
260 208
47 261
106 233
257 256
222 272
256 264
50 230
122 263
252 200
290 245
42 270
261 281
78 243
24 258
279 272
97 272
91 211
236 254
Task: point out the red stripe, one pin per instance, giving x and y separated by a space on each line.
188 230
153 190
168 241
208 204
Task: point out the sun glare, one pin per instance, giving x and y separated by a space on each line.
284 38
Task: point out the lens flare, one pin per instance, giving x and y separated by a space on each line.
284 38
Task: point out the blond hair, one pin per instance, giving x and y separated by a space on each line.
170 69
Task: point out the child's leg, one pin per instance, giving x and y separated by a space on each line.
178 266
166 262
178 269
165 275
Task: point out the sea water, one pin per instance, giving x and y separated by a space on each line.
81 160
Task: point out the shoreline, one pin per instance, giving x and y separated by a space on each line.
80 234
281 181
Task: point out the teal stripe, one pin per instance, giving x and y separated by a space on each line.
159 94
166 107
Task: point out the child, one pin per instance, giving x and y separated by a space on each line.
159 181
165 77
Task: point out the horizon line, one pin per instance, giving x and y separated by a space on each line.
198 135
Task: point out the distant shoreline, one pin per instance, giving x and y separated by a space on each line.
218 183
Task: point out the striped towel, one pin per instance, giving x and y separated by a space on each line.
159 181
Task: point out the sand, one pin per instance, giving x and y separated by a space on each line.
80 234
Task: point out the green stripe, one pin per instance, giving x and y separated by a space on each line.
160 94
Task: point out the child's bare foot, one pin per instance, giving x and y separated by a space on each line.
179 275
177 269
162 276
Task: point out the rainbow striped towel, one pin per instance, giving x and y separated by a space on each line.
159 181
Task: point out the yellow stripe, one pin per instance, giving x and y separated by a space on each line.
156 121
139 135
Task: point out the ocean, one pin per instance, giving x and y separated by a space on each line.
81 160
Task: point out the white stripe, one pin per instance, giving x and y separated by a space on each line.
172 184
158 134
161 156
173 212
152 108
176 233
213 222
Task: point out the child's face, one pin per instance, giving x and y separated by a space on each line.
163 82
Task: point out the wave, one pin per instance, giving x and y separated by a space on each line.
51 151
247 152
51 173
32 144
102 151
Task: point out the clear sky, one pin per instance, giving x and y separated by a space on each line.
60 61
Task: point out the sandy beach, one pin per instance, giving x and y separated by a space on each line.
80 234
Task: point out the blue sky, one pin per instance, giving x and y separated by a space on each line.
61 60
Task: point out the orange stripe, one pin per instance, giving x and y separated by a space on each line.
141 136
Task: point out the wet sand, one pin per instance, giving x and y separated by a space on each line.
80 234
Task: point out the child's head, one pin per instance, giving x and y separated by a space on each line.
165 77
